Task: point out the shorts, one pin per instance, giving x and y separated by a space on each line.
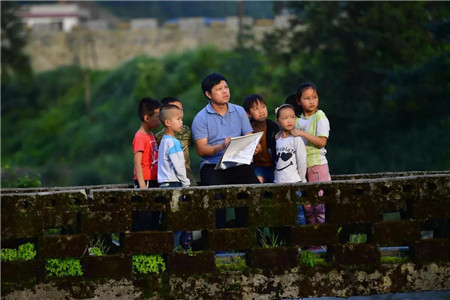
265 172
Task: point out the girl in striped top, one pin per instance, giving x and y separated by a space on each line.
313 127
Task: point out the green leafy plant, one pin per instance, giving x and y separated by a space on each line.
52 231
146 264
232 263
393 259
188 251
95 251
24 252
60 267
9 254
358 238
115 238
98 246
308 258
14 180
269 239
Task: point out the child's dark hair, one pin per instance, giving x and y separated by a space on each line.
250 100
146 107
164 112
211 80
292 100
304 86
168 100
280 108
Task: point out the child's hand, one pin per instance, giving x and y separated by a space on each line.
297 132
258 149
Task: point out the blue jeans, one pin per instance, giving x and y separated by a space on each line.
300 211
300 215
170 184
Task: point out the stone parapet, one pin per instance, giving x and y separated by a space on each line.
257 265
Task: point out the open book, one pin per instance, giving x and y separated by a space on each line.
239 151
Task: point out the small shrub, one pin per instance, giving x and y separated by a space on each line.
393 259
269 239
95 251
234 263
99 246
308 258
52 231
14 180
9 254
60 267
24 252
188 251
358 238
146 264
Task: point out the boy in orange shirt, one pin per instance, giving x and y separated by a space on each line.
145 152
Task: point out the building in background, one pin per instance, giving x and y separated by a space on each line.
57 17
66 16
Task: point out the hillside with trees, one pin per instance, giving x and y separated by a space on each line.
382 69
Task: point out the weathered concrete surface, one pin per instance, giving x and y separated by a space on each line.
107 49
349 269
297 282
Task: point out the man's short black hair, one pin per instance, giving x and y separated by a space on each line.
211 80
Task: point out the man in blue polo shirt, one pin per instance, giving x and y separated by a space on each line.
212 129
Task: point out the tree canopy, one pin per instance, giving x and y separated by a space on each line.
376 66
14 60
382 70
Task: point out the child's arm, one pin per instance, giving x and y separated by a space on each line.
139 170
176 156
180 168
318 141
300 155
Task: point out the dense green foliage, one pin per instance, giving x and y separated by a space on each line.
14 180
25 251
146 264
57 138
383 83
308 258
14 60
382 69
62 267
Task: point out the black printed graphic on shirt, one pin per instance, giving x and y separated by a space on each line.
285 155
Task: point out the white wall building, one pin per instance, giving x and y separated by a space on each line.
53 16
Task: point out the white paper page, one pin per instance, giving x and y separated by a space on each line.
239 151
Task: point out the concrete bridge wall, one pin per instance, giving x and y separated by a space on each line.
108 49
355 205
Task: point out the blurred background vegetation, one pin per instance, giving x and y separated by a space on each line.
382 69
